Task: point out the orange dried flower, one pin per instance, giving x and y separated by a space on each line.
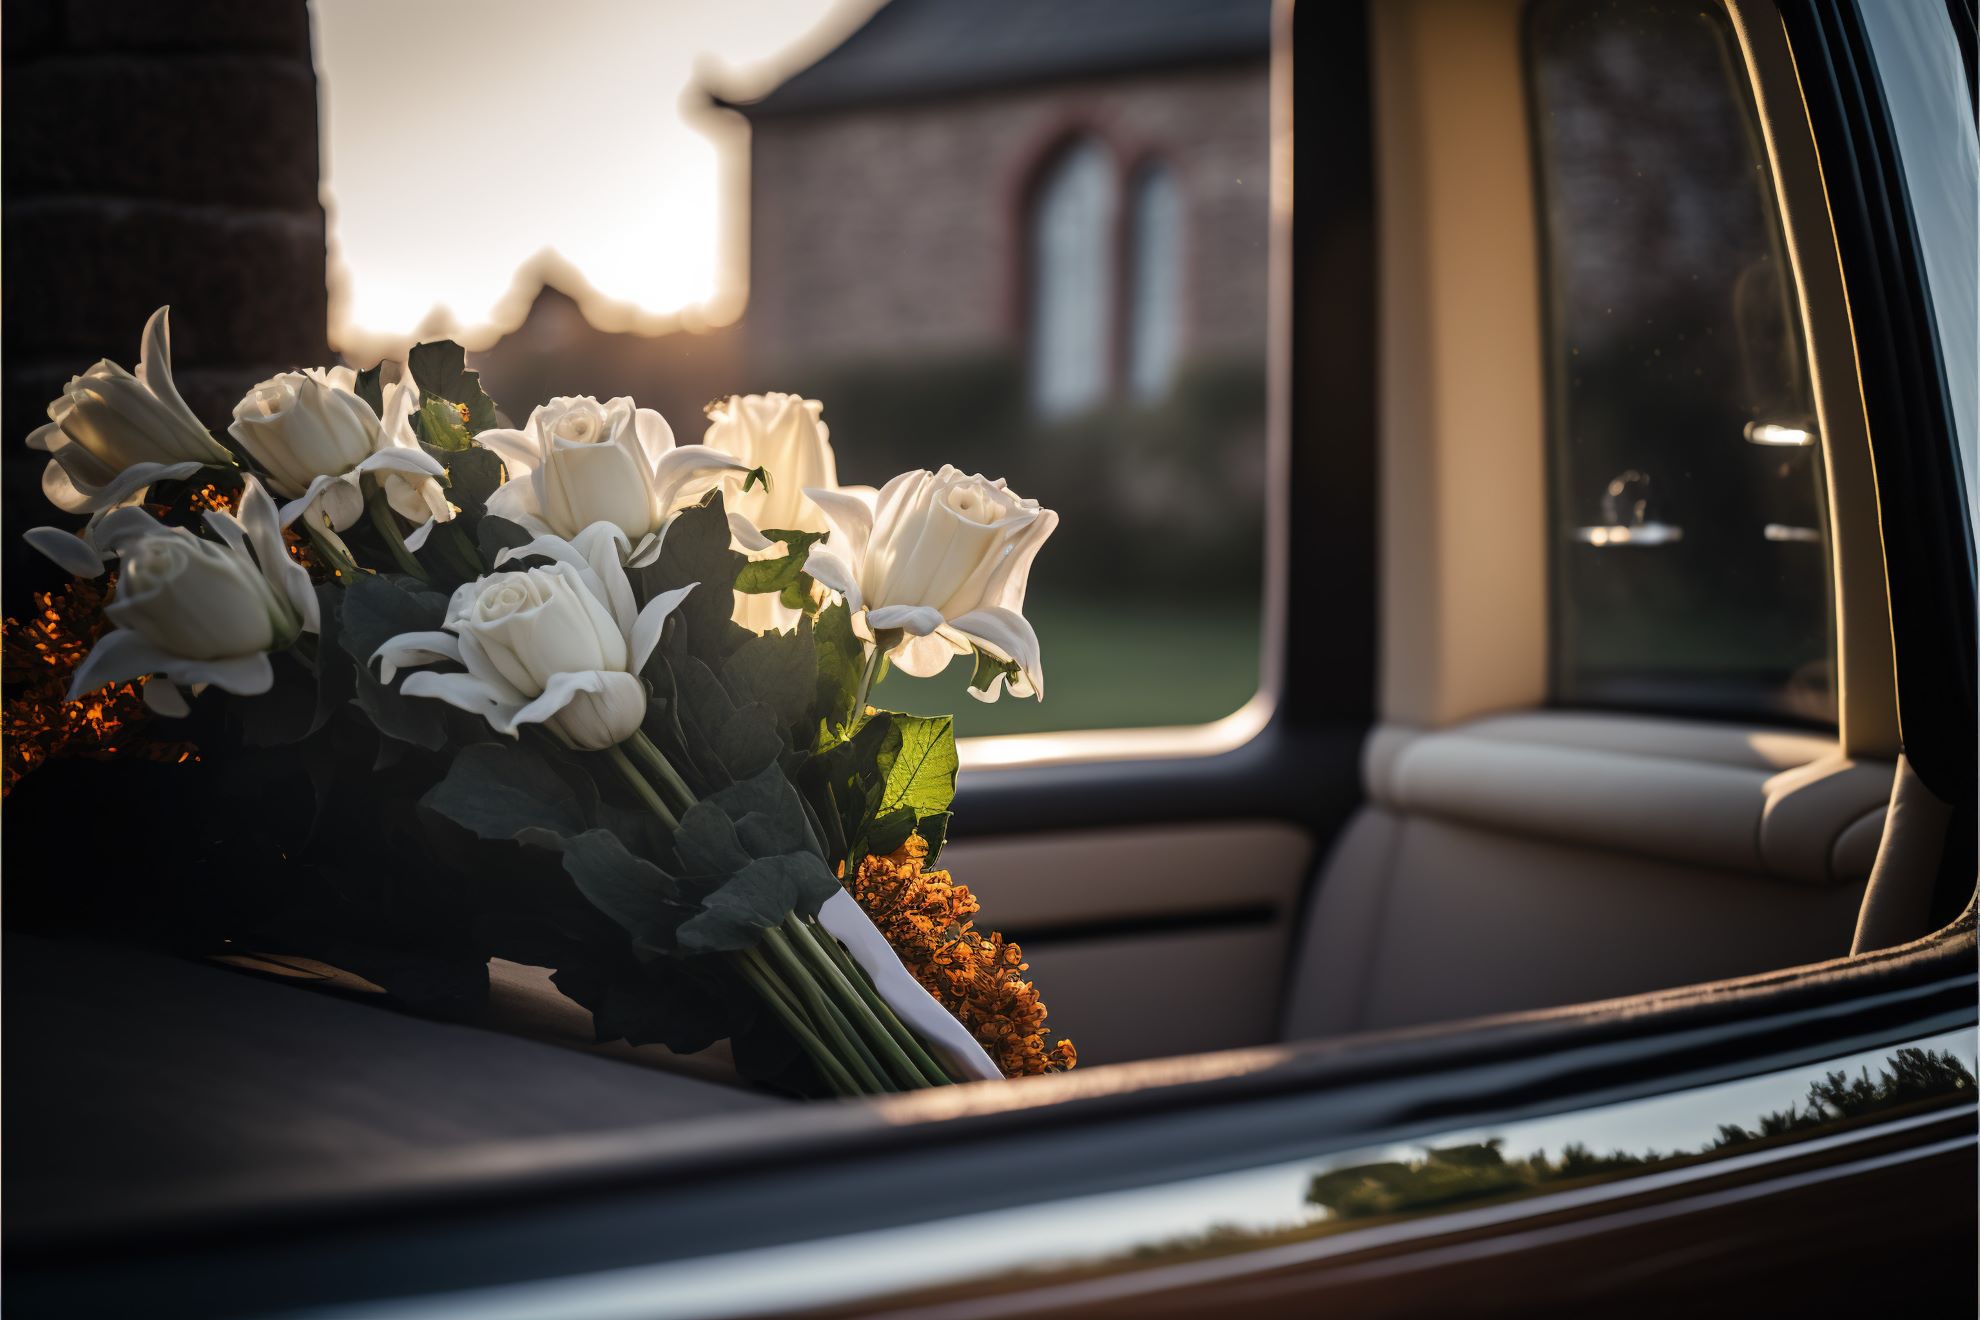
41 652
926 915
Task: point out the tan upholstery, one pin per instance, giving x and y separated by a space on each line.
1423 920
1898 903
1767 803
1464 560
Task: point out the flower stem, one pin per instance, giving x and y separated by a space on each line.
851 1052
656 761
764 982
866 680
637 782
328 545
805 935
387 524
878 1008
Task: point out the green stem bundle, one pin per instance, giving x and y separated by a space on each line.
807 979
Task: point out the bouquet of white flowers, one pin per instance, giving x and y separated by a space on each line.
597 699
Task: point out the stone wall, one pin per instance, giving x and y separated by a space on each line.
155 153
897 231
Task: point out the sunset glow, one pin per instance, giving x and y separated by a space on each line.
463 140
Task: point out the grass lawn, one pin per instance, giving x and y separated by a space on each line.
1109 664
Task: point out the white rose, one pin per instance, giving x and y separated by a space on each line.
187 609
314 437
579 462
111 434
942 560
786 436
561 645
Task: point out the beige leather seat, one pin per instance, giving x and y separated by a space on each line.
1524 861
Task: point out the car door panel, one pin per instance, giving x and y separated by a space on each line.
1109 918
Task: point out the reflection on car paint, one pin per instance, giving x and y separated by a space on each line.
1293 1212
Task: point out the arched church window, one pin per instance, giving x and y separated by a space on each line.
1154 325
1072 281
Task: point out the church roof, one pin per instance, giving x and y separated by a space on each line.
923 49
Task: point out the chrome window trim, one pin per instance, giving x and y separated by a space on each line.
866 1267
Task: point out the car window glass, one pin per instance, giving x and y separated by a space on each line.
1689 549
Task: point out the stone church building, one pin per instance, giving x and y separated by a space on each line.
1077 191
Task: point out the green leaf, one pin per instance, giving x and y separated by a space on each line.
922 776
708 848
440 369
696 549
494 535
638 896
988 667
371 390
762 576
749 741
472 476
889 831
841 660
754 900
934 831
437 423
768 814
377 609
499 790
798 595
778 669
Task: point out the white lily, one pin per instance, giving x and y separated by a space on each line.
559 645
939 560
189 610
579 462
111 434
316 439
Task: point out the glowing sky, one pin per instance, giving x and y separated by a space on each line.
462 137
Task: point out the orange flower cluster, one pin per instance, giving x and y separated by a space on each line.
40 653
926 915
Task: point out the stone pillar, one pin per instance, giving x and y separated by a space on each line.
154 153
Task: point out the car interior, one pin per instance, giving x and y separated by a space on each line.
1579 658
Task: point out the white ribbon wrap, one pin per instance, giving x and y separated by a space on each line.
845 921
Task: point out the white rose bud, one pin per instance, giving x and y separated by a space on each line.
595 467
190 610
786 436
580 462
197 599
111 434
561 645
940 560
314 437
